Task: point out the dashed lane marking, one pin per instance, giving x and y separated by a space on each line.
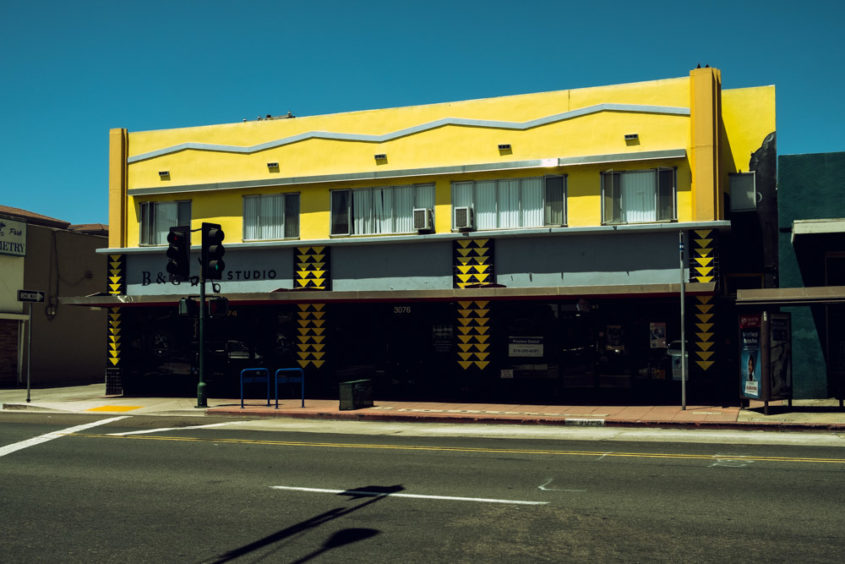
365 493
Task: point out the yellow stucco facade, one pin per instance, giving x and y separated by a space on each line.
592 253
705 131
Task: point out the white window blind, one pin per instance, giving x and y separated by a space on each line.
380 210
272 216
158 217
638 196
514 202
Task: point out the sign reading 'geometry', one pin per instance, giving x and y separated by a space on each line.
12 237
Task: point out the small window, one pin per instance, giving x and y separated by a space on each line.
341 210
555 203
158 217
378 211
638 196
273 216
514 202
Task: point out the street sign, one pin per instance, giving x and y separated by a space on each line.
30 296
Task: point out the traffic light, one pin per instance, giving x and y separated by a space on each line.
179 252
212 251
188 307
218 306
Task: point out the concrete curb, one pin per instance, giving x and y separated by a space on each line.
532 420
724 421
29 407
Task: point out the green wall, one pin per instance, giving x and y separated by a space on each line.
809 187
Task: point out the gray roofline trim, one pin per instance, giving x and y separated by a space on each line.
674 227
460 122
550 163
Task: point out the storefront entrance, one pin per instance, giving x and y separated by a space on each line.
573 351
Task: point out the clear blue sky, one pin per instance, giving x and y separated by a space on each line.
70 71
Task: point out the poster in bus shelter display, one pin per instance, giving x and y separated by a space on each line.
765 356
750 327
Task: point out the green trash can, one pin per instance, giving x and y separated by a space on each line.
356 394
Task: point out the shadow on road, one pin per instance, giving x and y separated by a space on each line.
372 494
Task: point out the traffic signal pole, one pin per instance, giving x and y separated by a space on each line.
211 267
202 401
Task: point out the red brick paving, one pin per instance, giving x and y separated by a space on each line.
485 412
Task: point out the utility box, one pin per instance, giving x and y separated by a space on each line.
356 394
679 367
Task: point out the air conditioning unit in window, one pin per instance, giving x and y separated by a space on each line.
422 219
463 218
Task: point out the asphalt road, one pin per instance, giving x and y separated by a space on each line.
155 489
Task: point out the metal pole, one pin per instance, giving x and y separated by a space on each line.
28 350
201 399
683 327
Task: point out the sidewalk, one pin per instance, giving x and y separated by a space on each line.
807 415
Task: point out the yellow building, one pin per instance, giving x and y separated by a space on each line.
524 246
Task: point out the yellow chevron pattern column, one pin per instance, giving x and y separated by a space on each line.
114 337
473 334
703 258
473 263
311 268
116 286
310 338
704 267
116 274
703 346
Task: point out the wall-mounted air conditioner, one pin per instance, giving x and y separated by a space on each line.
463 218
744 194
422 219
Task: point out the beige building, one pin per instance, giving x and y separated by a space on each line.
57 259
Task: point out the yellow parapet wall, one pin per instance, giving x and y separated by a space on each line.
579 133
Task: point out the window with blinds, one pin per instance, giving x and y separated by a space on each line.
378 211
271 216
638 196
513 202
158 217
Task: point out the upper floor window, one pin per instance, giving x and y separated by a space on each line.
158 217
371 211
638 196
273 216
514 202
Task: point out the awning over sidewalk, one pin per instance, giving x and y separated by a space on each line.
817 227
480 293
792 296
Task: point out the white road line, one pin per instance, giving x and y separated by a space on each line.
9 449
163 429
544 487
407 495
730 461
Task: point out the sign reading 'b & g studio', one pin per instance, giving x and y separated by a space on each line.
12 237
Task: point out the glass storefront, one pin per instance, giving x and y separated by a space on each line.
538 351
